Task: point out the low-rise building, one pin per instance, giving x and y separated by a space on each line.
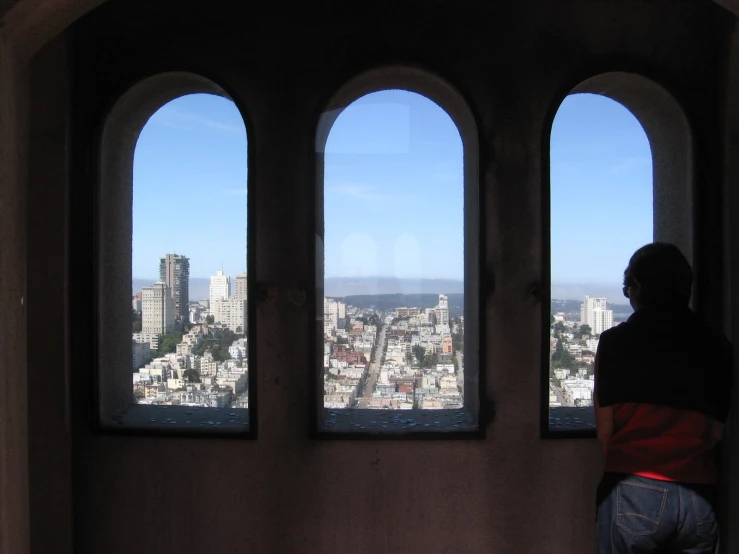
141 354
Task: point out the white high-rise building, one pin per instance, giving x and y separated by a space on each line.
157 309
220 287
241 286
595 314
588 306
331 312
602 321
442 310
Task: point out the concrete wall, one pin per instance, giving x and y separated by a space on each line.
512 492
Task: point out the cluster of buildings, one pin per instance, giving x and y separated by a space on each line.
187 379
574 386
165 305
406 359
190 376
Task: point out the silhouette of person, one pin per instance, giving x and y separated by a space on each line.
662 390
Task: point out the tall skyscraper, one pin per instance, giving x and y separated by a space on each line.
442 310
331 312
220 286
241 287
220 289
586 309
602 320
595 314
174 271
157 309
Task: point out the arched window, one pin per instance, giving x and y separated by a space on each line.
620 177
397 258
173 220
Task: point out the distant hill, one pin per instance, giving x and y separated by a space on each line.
354 286
386 302
341 286
386 293
572 309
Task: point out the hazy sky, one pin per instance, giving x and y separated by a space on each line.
393 197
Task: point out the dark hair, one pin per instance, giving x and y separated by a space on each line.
664 274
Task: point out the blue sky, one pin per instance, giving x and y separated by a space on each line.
393 196
189 187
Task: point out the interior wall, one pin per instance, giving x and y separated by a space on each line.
13 423
25 27
511 492
48 409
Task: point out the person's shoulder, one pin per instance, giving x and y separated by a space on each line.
619 332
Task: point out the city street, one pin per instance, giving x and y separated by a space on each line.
374 371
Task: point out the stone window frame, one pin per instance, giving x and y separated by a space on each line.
117 140
452 424
670 135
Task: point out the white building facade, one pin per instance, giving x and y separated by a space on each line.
442 310
157 309
602 321
230 312
594 312
220 287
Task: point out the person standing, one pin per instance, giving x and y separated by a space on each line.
663 382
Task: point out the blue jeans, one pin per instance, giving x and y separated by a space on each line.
640 515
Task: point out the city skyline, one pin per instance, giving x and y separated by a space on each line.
191 157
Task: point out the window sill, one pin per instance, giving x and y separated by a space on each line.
178 420
570 422
363 423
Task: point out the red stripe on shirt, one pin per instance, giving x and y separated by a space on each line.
662 443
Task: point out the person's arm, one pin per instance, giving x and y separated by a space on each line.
603 414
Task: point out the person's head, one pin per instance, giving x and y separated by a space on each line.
658 276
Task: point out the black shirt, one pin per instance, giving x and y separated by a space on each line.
669 358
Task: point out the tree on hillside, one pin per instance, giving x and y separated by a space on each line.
210 320
430 361
559 327
191 376
561 357
200 350
585 330
136 321
419 352
217 354
457 341
168 343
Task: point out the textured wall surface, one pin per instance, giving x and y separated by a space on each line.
512 492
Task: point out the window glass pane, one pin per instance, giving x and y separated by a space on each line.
189 294
601 212
394 268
